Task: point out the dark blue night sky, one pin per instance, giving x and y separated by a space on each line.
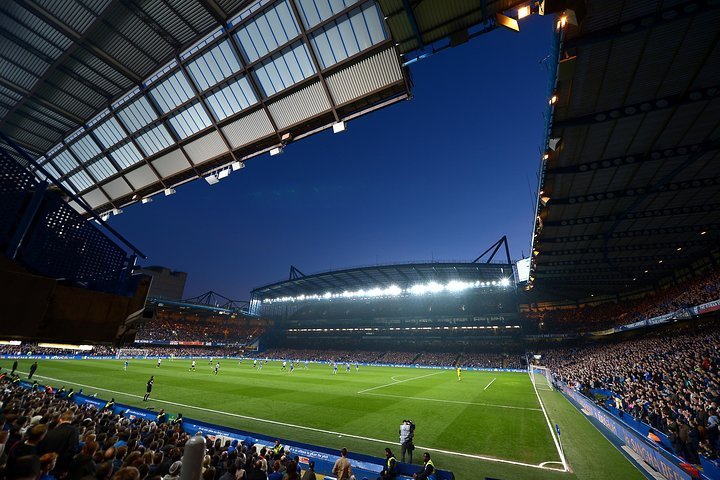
441 177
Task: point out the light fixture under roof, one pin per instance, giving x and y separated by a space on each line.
169 191
276 151
212 179
237 166
339 127
146 200
223 173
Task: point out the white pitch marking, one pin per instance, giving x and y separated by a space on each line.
401 381
552 430
453 401
301 427
491 382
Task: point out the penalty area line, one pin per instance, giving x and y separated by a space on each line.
401 381
491 382
461 402
302 427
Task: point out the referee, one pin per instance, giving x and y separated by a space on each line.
148 390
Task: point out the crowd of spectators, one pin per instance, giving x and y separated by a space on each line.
669 380
430 359
34 349
696 291
216 328
47 437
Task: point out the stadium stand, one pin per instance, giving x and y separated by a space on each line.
669 379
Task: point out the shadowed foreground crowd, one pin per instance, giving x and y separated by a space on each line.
44 437
669 380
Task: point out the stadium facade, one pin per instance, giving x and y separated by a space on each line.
428 305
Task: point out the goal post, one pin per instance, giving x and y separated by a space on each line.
541 377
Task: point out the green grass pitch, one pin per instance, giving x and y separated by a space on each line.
489 424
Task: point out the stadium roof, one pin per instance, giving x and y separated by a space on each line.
121 100
632 190
381 276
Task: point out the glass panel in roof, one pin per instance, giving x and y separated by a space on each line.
85 148
190 120
214 66
67 185
313 12
263 34
172 92
81 180
101 169
126 155
49 168
285 68
64 162
231 99
348 35
109 133
155 140
137 115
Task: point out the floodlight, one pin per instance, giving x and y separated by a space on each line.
276 151
169 191
211 179
339 127
553 100
105 217
237 166
553 143
505 282
117 211
523 12
146 200
223 173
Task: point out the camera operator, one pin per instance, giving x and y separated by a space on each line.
407 434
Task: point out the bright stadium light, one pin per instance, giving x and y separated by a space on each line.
211 179
339 127
505 282
169 191
223 173
276 151
237 166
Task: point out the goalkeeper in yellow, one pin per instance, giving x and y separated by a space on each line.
459 372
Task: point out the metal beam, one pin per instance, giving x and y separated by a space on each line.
631 159
656 19
639 191
640 108
645 214
82 168
648 232
79 39
29 94
631 247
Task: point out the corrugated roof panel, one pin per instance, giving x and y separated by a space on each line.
190 120
101 169
299 106
126 155
109 132
82 181
102 68
162 14
85 148
126 53
74 14
313 12
141 177
26 59
17 75
214 66
137 114
117 188
95 198
172 91
30 29
267 31
231 99
194 13
248 129
284 69
205 148
372 73
171 163
352 33
64 162
155 140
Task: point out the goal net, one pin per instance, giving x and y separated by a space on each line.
540 377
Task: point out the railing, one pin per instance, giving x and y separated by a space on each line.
46 235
